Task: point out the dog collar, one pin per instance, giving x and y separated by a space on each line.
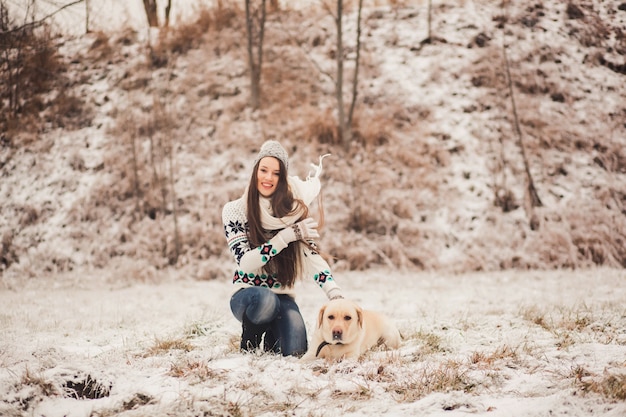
319 348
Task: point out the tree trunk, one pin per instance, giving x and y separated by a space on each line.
255 28
168 9
532 191
86 16
343 131
261 24
135 162
355 78
174 259
151 12
430 13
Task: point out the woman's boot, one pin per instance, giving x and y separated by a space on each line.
251 335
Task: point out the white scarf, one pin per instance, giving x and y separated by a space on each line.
306 191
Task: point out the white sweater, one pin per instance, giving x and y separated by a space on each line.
250 272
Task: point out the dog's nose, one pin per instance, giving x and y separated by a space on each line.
337 334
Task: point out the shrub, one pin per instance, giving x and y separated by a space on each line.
187 35
30 69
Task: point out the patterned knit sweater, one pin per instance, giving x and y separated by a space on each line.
250 272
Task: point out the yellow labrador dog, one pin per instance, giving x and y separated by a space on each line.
346 331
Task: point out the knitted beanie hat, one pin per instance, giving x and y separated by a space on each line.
275 149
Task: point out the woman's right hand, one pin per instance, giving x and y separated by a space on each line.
303 230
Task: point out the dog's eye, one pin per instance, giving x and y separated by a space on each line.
331 317
347 318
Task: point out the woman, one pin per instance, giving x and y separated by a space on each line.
270 234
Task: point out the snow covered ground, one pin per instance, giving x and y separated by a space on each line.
492 344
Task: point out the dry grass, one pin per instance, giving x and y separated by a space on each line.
86 387
430 344
38 382
609 385
196 371
28 389
485 360
185 36
323 128
599 240
536 316
371 129
570 325
68 111
101 47
443 377
162 346
587 26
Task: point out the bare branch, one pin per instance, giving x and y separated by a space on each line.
533 196
40 21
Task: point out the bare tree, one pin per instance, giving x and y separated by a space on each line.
151 8
430 13
255 29
355 76
22 51
531 192
168 9
86 16
345 124
160 130
344 129
13 41
132 136
151 12
33 23
174 201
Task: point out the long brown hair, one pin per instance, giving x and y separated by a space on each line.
287 264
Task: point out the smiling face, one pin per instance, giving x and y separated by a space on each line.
268 174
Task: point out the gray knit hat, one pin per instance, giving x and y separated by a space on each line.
275 149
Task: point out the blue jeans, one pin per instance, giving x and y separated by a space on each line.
277 315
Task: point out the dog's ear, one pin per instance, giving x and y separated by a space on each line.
359 315
320 318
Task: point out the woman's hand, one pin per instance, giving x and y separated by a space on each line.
303 230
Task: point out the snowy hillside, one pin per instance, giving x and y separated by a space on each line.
434 180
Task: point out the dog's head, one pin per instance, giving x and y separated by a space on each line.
340 321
